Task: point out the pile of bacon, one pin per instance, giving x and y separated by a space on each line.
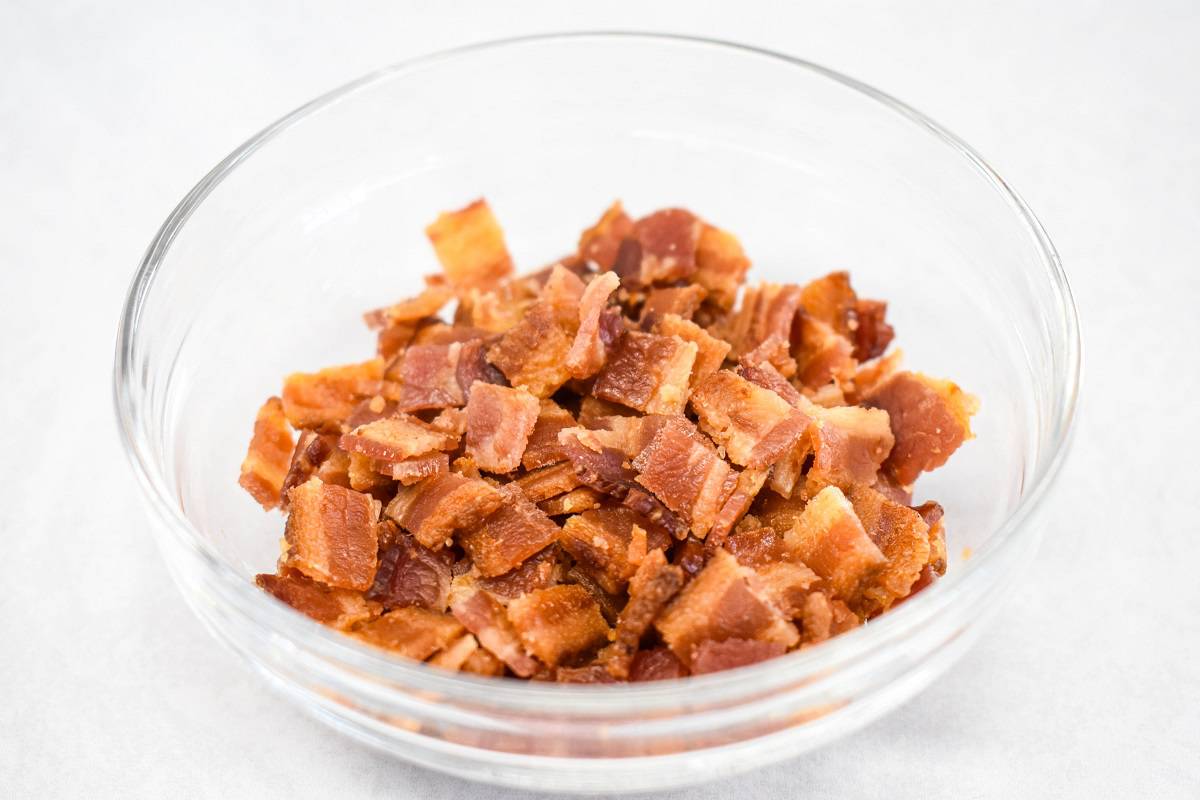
620 467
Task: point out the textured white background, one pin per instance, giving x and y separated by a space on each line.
1088 685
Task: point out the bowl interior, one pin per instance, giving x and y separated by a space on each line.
324 220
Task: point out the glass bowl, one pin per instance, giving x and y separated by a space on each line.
266 265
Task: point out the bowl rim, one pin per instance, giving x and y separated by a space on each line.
813 664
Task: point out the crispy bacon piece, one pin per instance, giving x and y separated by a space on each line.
363 475
549 481
543 447
426 304
832 301
873 334
534 353
668 239
755 425
332 534
338 608
767 310
473 366
412 632
749 484
396 439
334 470
369 410
679 301
575 501
394 337
932 513
903 538
410 574
849 445
686 474
600 540
886 485
588 351
713 656
785 584
648 372
558 623
411 470
428 377
690 555
600 242
710 351
822 354
435 508
930 418
498 309
756 545
721 265
499 422
595 413
266 466
479 613
831 541
718 604
455 655
482 662
321 400
537 572
870 376
656 664
512 533
312 449
774 352
765 374
470 246
652 586
823 617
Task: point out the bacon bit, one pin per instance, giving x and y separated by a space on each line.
312 449
428 376
332 534
547 482
600 242
482 662
870 376
773 352
427 304
609 604
499 422
669 239
679 301
822 355
830 540
339 608
710 351
903 537
543 447
785 584
887 486
411 470
480 614
397 439
394 338
470 246
767 310
538 572
455 655
473 366
721 265
686 474
930 418
410 574
718 604
594 412
756 545
749 484
558 623
691 555
932 513
573 502
780 513
496 310
450 421
823 617
764 374
363 475
849 445
588 353
369 410
648 372
334 470
320 400
534 353
434 509
710 656
873 334
515 531
657 664
652 586
266 466
831 300
755 425
600 541
412 632
592 673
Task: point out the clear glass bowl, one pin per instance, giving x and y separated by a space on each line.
266 265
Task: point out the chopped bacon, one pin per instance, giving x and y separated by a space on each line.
482 662
831 541
394 338
369 410
755 425
427 304
719 604
609 604
831 300
418 468
470 246
321 400
930 418
334 470
778 512
764 374
396 439
650 589
656 664
932 513
410 574
573 502
435 508
669 239
473 366
774 352
479 613
756 545
648 372
495 310
903 538
849 445
686 474
340 608
873 334
785 584
679 301
543 447
538 572
312 449
872 375
534 353
332 534
412 632
588 352
710 351
499 422
721 265
549 481
713 656
886 485
690 555
749 484
594 412
267 463
453 656
600 242
600 540
363 475
558 623
823 617
822 355
428 377
512 533
767 310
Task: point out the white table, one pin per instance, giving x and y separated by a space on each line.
1087 686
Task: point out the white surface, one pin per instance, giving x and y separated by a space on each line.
1087 686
